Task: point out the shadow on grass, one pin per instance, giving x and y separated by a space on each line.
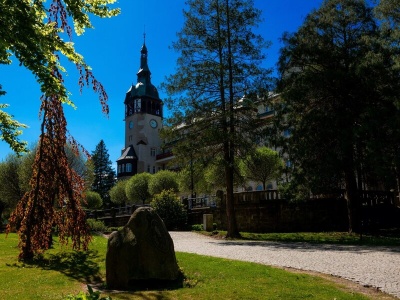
148 289
80 265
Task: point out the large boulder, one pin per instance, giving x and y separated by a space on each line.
142 250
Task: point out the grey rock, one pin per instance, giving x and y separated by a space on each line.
142 250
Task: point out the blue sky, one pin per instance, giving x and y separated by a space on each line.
112 49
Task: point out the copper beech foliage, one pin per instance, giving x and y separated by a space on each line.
56 190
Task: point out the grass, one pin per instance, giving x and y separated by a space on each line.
61 272
343 238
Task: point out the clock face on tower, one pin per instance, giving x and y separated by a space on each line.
153 123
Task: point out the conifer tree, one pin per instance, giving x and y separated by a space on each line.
104 174
218 79
333 76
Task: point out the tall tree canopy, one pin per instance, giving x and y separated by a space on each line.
263 165
104 174
38 33
332 72
215 88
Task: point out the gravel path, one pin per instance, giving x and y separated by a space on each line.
369 266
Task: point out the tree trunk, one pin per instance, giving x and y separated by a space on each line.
352 196
232 230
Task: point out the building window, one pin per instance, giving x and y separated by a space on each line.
148 168
153 151
129 167
119 168
154 169
123 168
138 105
130 138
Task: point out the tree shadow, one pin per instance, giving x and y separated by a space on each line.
80 265
149 289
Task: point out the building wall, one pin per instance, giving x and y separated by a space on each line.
141 130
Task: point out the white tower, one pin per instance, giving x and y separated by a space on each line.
143 120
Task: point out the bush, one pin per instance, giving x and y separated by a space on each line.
93 200
162 181
96 225
117 193
197 227
170 209
137 188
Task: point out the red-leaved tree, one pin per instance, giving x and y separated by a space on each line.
56 190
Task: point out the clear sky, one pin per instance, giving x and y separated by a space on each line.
112 49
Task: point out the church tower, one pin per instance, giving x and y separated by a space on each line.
143 120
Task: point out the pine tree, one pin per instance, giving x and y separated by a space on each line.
104 174
218 79
333 72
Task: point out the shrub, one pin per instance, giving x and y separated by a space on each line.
117 193
96 225
162 181
197 227
170 209
137 188
93 200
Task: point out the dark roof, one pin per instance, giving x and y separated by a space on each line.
129 153
144 87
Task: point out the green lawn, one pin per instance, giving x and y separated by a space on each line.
61 272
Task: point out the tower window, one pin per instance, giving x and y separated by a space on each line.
138 105
153 151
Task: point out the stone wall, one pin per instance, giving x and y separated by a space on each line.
265 212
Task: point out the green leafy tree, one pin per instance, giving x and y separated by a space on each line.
330 92
39 34
191 179
118 194
89 174
219 80
215 177
10 129
170 209
10 187
263 165
163 180
137 188
104 174
92 200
